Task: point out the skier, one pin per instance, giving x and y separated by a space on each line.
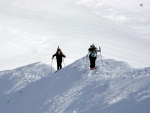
59 56
92 54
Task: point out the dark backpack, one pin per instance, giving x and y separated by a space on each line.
92 51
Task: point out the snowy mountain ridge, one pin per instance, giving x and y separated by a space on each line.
113 87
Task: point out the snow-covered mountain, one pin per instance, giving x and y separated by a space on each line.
113 87
30 31
133 13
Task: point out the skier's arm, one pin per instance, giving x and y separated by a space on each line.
64 56
53 56
88 53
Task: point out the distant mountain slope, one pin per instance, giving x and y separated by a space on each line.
31 31
114 87
13 80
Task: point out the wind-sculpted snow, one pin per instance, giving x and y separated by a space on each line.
18 78
113 87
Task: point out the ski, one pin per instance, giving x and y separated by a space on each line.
55 71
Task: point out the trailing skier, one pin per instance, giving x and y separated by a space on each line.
59 55
92 54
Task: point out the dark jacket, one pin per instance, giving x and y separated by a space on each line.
59 57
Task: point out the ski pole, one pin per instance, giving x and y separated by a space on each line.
63 62
51 65
85 63
100 54
86 58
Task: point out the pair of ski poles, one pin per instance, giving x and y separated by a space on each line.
52 64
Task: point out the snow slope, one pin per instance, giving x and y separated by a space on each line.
114 87
135 13
30 31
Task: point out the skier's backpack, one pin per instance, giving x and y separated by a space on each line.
92 51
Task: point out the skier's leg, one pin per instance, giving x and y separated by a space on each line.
94 59
57 65
60 65
93 62
90 62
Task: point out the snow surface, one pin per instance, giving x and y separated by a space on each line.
113 87
30 31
